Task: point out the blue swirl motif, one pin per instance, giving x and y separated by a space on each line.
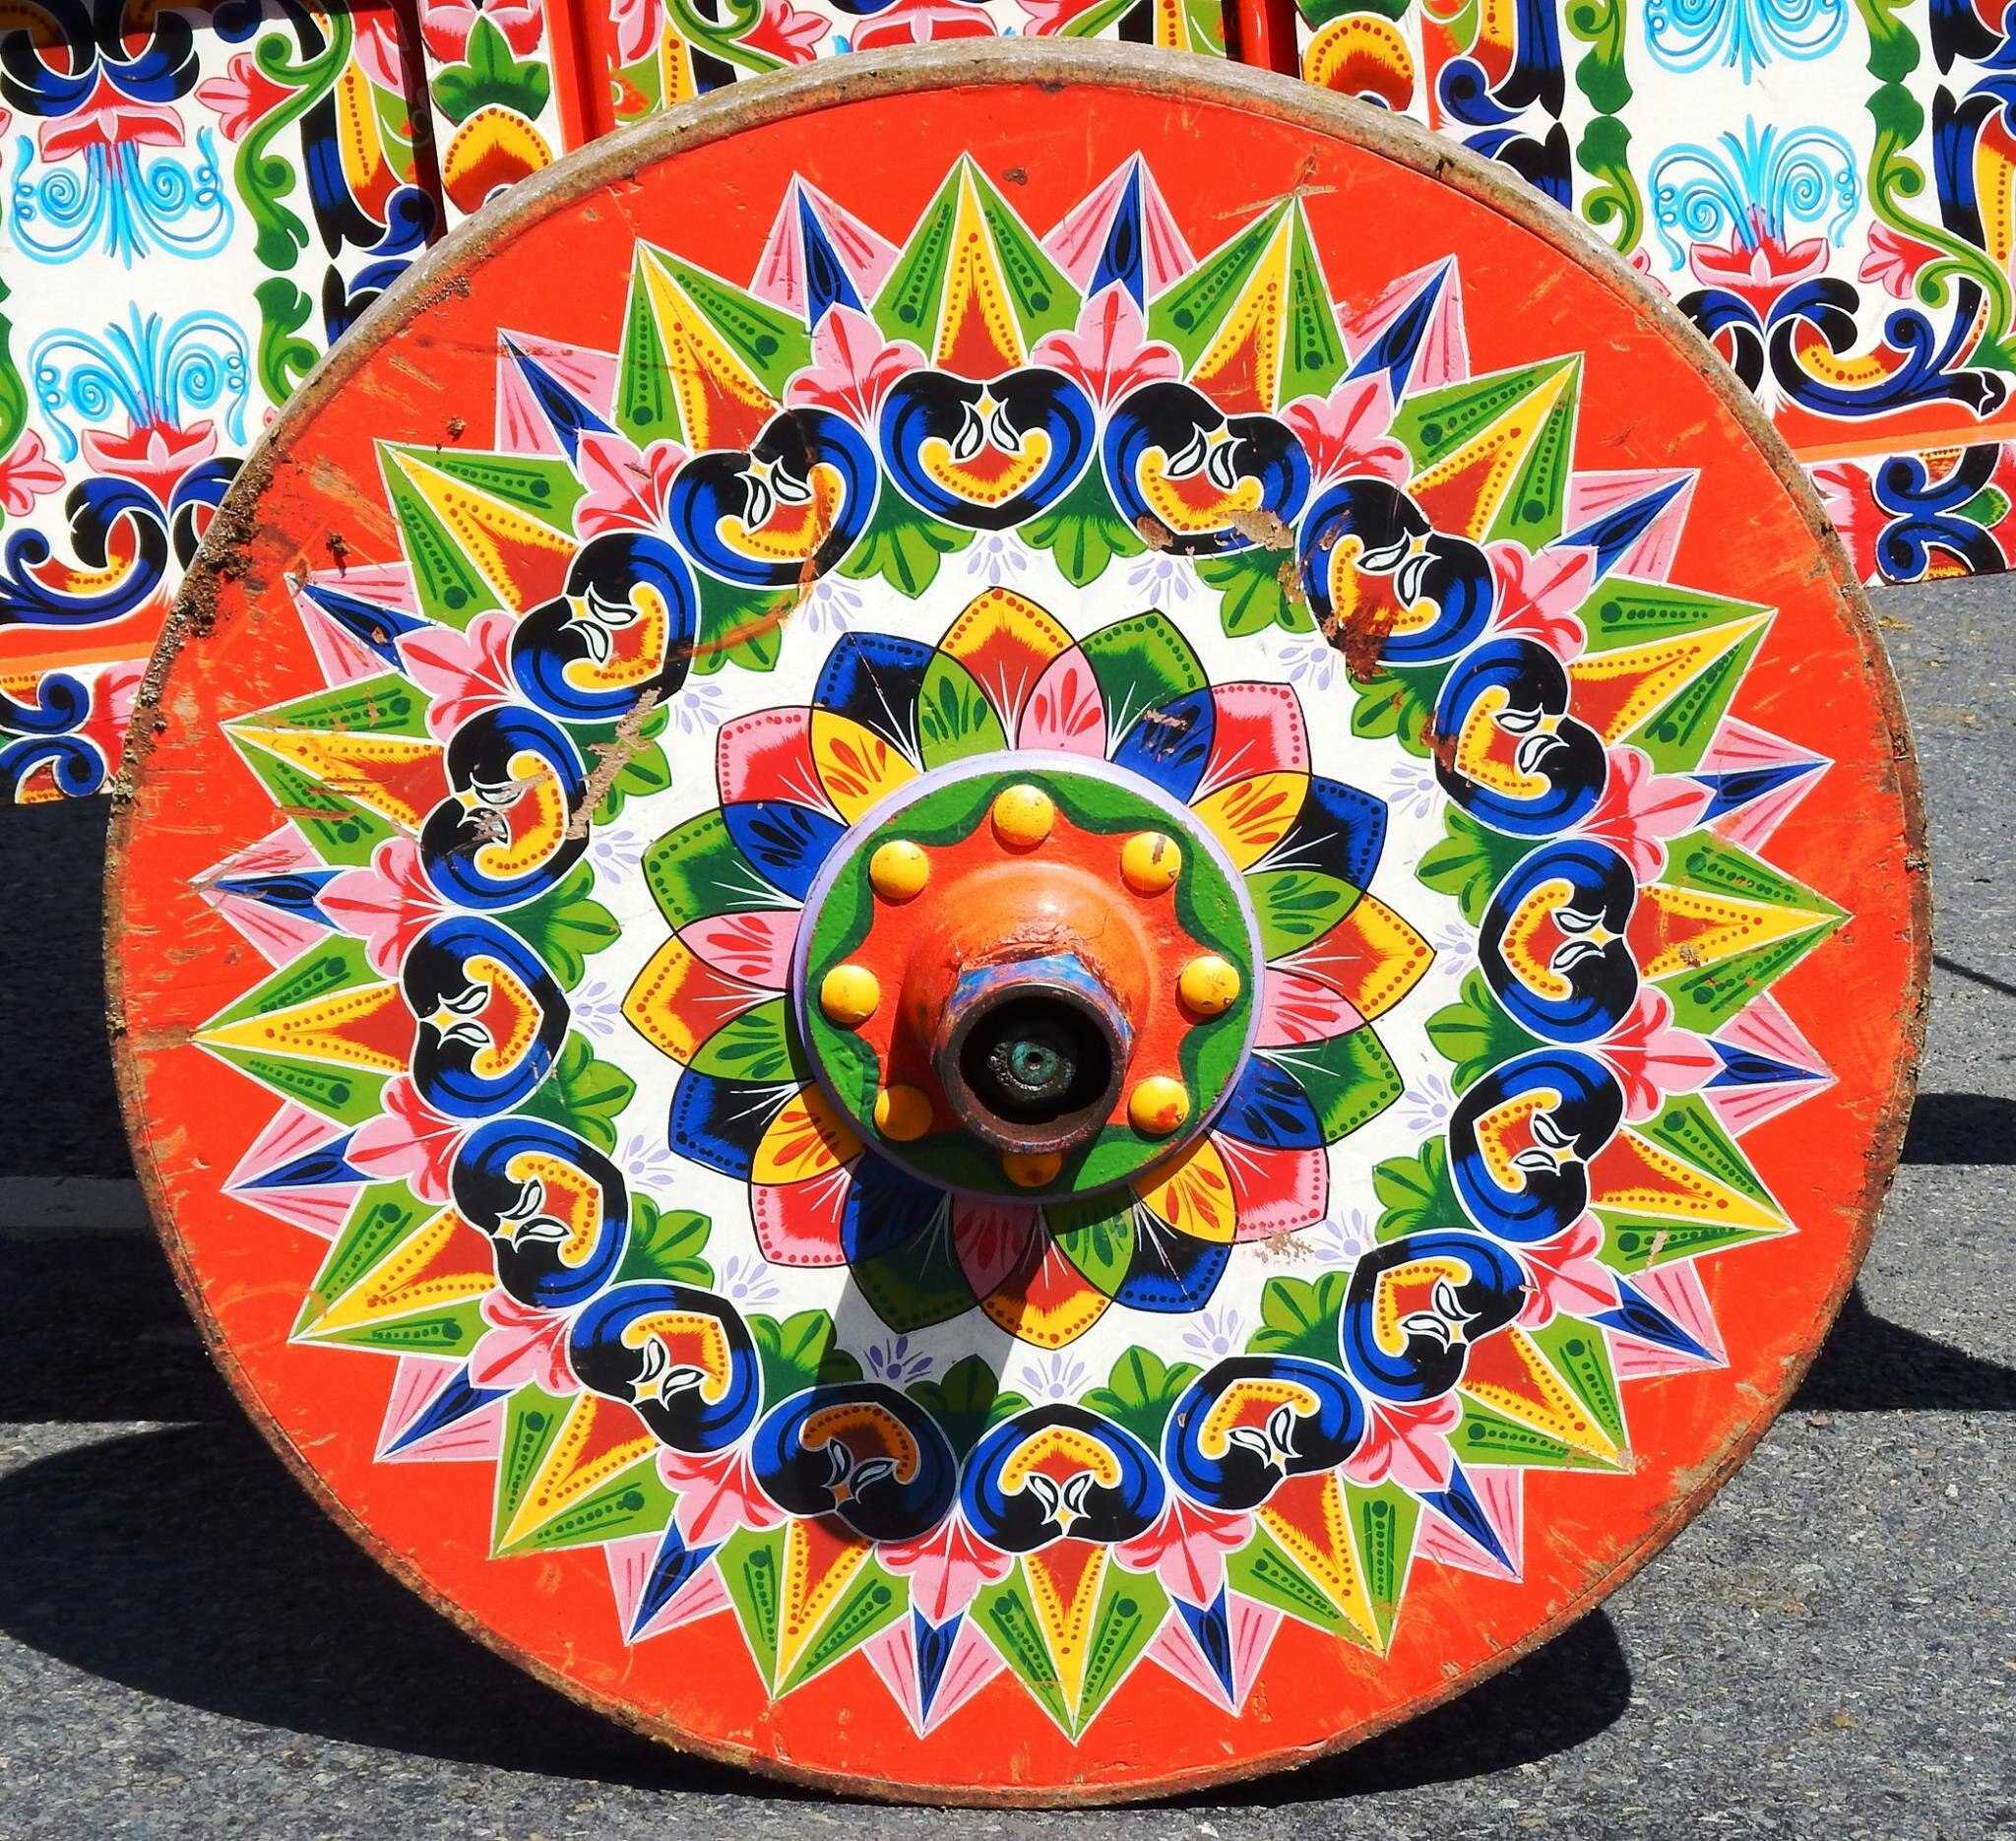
1690 34
159 372
43 734
1752 189
121 202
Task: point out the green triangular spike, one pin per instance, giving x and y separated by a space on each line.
1188 314
1044 299
1580 1356
1534 509
1634 1244
1435 424
1688 1127
447 586
1676 735
450 1330
1627 613
1484 1435
346 1095
386 705
1313 358
632 1501
773 342
541 488
1384 1521
532 1422
1262 1570
751 1568
1705 999
335 963
908 305
1703 861
381 1217
341 832
1130 1610
873 1602
1005 1617
644 408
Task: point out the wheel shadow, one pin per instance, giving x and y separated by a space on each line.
185 1564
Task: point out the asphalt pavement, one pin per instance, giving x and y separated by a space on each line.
187 1647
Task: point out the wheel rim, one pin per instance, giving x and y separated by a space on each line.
1339 1542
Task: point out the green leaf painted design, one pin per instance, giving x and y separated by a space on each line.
1298 1317
1260 589
489 75
903 546
566 924
1082 530
965 1400
1470 862
1396 705
800 1352
1141 1393
583 1093
666 1243
1475 1033
1416 1193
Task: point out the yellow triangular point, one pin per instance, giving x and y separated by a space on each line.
487 529
1541 1400
1065 1608
1240 369
397 776
566 1475
405 1282
1635 1176
1615 691
978 332
1692 928
355 1027
720 398
816 1573
1329 1558
1486 465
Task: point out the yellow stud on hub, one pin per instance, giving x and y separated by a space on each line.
1158 1105
1032 1169
1023 816
1150 862
903 1113
897 870
1209 986
849 995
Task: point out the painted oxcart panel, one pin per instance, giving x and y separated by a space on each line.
1824 189
520 1040
199 201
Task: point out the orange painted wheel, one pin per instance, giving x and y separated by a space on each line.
1022 928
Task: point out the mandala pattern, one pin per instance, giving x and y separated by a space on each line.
628 1200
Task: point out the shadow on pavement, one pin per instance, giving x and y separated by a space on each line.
1961 1128
187 1564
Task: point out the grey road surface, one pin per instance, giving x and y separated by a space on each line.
187 1648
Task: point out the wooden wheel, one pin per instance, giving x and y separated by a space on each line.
1018 929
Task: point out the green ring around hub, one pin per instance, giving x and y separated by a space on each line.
949 804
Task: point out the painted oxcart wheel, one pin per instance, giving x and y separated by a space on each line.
992 968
